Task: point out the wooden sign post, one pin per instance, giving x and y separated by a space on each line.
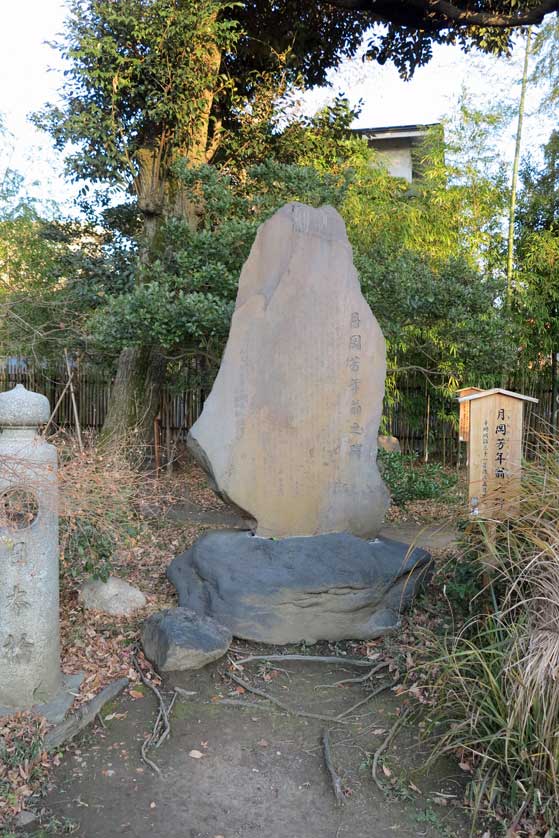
495 451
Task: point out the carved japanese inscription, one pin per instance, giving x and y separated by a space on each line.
289 431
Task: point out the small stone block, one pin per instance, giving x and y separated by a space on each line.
179 639
115 596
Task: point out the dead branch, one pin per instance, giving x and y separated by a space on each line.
245 685
307 659
185 693
74 403
380 750
71 726
334 776
162 726
57 405
439 14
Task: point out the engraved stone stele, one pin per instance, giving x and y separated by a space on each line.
289 431
30 673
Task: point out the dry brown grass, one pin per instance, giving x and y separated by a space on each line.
495 681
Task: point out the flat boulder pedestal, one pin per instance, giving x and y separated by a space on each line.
330 587
288 435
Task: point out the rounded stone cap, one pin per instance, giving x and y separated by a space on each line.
22 408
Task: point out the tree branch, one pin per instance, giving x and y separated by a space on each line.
440 14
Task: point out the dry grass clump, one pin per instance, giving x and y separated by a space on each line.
495 682
101 494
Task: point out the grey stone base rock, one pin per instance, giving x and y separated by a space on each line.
178 639
115 596
54 710
324 587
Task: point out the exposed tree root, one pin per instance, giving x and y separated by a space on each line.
162 727
367 698
385 744
307 659
359 679
246 686
334 776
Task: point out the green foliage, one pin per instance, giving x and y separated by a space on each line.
430 255
536 293
546 71
88 550
411 46
408 481
137 78
184 299
426 290
152 81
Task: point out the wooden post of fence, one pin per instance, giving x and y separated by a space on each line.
427 426
169 435
157 444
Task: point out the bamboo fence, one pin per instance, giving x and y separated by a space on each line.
425 423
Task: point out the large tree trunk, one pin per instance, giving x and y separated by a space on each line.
136 393
134 401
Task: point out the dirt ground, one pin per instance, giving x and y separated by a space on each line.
250 770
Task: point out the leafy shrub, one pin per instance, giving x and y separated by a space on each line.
408 482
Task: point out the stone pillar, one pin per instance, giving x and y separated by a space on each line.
30 672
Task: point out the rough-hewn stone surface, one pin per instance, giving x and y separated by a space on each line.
29 587
115 596
330 587
178 638
390 444
289 431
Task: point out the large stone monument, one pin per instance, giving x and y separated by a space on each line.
289 431
30 675
289 436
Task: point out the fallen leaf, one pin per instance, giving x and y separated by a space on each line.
195 754
136 694
386 771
